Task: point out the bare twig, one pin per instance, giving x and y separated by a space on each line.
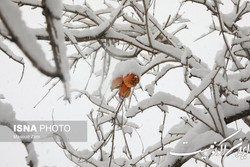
146 8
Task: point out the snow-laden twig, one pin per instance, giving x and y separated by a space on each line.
4 48
11 16
53 12
204 84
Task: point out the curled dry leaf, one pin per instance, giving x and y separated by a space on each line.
131 80
124 91
125 84
117 83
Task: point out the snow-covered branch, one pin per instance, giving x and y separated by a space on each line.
24 38
53 12
8 118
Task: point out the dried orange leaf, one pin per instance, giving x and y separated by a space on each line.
124 91
117 83
131 80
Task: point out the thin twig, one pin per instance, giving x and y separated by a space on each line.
147 22
113 131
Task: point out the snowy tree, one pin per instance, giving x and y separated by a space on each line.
124 46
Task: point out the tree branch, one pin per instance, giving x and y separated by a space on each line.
237 116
